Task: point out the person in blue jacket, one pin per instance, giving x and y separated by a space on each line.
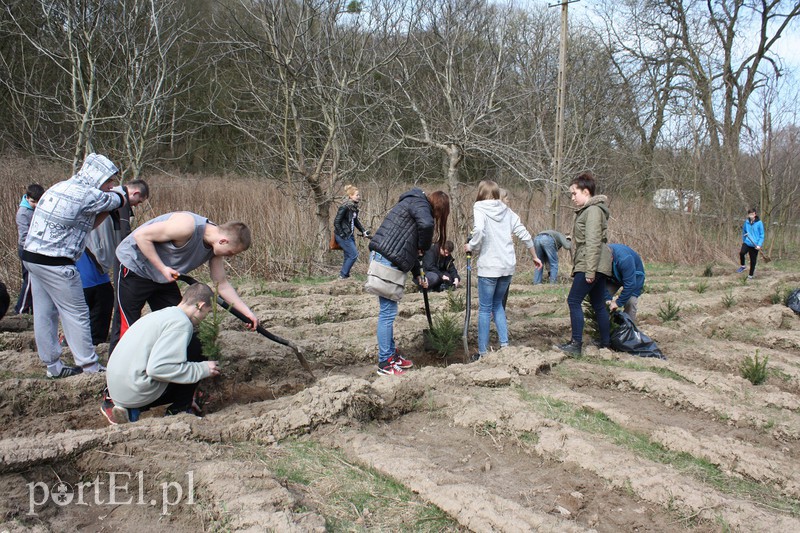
627 273
752 240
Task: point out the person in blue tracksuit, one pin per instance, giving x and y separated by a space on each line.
752 240
628 274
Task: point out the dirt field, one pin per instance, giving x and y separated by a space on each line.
526 439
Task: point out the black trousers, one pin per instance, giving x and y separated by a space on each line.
753 253
100 300
133 292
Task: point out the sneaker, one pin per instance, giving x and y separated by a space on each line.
100 368
399 361
66 371
571 347
390 369
107 409
597 344
122 415
750 277
740 269
477 357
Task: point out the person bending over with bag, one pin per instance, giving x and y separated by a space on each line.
402 238
627 271
149 366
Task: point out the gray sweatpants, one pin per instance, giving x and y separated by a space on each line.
58 293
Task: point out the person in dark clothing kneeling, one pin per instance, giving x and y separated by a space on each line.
440 267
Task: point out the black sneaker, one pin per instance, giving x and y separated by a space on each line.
476 357
66 371
573 348
597 344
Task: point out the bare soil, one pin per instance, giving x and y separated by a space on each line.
525 439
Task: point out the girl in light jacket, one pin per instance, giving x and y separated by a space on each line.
494 223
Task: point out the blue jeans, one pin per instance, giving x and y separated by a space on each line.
350 254
386 315
597 296
546 250
491 292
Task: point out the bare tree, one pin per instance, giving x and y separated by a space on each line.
300 90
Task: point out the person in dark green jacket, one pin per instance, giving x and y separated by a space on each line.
591 261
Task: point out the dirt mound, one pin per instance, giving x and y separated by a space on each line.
524 439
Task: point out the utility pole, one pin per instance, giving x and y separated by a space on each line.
558 151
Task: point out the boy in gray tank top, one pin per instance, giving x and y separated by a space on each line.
156 253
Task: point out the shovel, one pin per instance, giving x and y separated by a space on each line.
767 259
271 336
468 308
426 333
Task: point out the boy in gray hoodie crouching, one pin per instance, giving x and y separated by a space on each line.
149 366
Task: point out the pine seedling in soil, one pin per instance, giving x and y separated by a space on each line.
701 287
709 271
753 370
208 331
728 300
445 334
669 311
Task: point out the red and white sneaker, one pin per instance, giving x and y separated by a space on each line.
390 369
400 361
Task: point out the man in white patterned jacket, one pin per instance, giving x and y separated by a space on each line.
66 213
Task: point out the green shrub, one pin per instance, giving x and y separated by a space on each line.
780 296
669 311
445 335
709 271
754 370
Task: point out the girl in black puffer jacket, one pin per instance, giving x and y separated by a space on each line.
403 237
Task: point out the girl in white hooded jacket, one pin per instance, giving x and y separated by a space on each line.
494 223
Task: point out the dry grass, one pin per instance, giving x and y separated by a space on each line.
285 231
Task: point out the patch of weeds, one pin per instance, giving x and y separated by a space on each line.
669 311
780 374
709 271
639 367
311 280
351 497
445 335
597 423
284 293
728 300
528 437
701 287
753 370
743 280
324 316
208 331
455 302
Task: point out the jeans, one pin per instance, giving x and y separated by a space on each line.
491 292
597 296
386 315
350 254
546 250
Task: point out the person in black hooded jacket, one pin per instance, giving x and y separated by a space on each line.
403 236
344 224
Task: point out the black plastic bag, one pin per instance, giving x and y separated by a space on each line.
627 338
793 301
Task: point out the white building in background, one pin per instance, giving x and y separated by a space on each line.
677 200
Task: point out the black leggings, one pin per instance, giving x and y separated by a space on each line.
753 253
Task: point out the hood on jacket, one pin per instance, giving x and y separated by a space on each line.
96 170
416 191
601 201
494 209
